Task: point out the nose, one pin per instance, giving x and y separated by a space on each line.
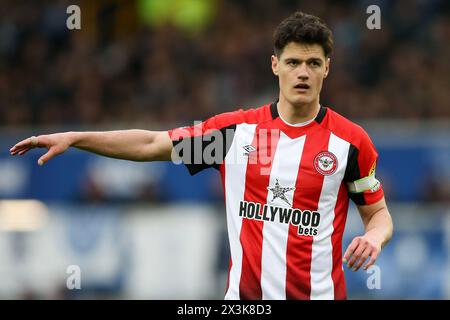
302 72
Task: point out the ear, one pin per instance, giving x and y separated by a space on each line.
274 65
327 67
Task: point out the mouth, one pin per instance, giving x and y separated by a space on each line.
302 87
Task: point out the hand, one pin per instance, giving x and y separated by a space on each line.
56 144
361 248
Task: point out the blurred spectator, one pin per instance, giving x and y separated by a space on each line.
120 69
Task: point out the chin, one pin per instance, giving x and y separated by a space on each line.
300 102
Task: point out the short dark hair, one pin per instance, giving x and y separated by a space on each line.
303 28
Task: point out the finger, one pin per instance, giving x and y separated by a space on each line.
26 143
372 260
16 151
46 157
362 259
19 146
356 255
23 151
351 248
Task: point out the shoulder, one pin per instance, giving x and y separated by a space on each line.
239 116
345 128
223 121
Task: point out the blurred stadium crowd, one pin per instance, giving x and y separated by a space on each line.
124 67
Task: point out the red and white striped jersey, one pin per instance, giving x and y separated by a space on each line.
287 191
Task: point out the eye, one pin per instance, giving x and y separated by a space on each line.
292 63
315 63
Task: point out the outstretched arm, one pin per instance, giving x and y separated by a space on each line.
378 231
135 145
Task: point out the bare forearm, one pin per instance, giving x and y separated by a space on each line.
380 226
134 144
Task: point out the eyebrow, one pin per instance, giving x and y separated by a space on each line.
307 60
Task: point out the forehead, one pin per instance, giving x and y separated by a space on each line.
302 51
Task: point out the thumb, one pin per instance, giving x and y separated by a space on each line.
50 154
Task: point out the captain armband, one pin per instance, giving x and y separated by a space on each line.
369 183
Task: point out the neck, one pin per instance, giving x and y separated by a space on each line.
297 113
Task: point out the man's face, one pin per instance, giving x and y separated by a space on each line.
301 69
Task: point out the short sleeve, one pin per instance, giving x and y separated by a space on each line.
203 145
362 184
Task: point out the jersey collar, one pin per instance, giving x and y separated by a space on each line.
318 118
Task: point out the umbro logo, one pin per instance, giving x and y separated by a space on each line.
248 148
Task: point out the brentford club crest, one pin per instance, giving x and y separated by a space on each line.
325 163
